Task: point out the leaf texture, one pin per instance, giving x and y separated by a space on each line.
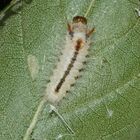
105 101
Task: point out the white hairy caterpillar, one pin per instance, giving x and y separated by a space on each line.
71 61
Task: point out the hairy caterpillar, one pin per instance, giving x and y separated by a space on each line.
75 52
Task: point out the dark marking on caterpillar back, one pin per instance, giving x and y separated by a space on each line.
62 80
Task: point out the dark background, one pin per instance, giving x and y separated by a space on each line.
4 3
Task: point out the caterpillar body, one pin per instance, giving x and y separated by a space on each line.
71 61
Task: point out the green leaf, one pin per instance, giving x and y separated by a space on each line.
104 103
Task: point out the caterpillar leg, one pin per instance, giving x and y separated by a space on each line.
90 32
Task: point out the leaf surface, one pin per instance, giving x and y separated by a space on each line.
105 101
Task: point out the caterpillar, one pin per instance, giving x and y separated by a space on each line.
71 61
